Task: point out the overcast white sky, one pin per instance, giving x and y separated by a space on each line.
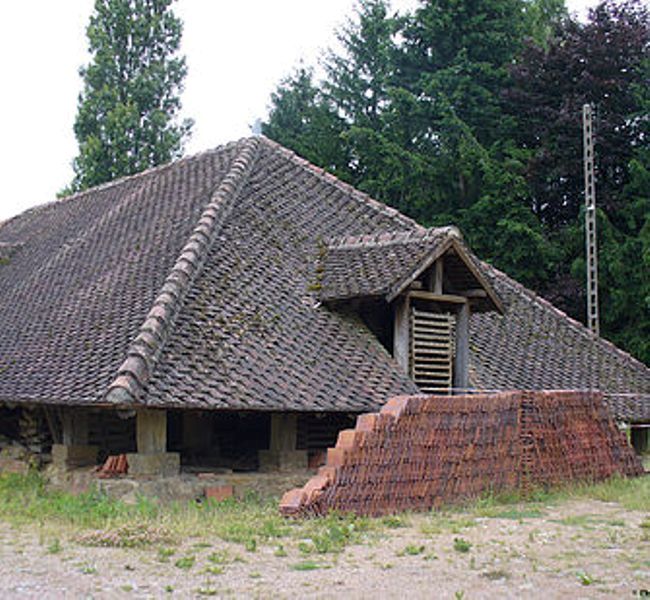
236 54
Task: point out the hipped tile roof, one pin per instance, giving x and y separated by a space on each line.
192 285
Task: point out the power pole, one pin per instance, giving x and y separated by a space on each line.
590 220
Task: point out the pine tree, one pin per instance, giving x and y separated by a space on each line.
127 117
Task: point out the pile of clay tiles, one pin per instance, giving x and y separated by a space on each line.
421 452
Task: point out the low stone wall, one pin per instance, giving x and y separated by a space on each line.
420 452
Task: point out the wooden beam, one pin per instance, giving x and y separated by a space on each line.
401 341
478 293
450 298
439 273
461 362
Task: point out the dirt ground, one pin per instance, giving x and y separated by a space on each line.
577 549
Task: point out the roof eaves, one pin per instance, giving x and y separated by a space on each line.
143 353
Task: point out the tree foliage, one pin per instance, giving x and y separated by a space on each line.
127 111
469 112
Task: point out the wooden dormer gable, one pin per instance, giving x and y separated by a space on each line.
387 265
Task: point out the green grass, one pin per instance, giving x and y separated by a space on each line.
94 519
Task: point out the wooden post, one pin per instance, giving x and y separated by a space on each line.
283 454
151 431
461 362
75 427
401 333
74 450
284 432
437 282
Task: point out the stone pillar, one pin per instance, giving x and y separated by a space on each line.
74 451
401 333
282 454
152 458
461 360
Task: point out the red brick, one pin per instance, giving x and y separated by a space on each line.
219 492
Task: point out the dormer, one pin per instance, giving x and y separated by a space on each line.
415 290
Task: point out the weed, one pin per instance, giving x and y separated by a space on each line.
186 562
462 545
306 547
220 557
411 550
386 566
255 575
251 545
584 578
164 554
169 589
394 521
126 588
280 552
54 547
306 565
214 570
441 523
459 595
206 591
88 570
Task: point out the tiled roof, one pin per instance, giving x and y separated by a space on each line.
192 285
251 334
536 346
369 265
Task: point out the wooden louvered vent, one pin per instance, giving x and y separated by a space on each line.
432 350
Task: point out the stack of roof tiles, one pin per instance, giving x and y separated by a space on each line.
422 451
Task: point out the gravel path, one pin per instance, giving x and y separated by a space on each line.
580 549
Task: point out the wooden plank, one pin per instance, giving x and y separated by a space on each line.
453 299
461 374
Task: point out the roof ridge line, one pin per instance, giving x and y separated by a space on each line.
581 327
326 176
390 237
142 355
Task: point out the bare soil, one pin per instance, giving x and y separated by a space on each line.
576 549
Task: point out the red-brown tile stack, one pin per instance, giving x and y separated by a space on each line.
420 452
113 467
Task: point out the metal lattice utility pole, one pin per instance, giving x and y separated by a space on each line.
590 220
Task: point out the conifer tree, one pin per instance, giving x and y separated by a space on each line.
127 117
